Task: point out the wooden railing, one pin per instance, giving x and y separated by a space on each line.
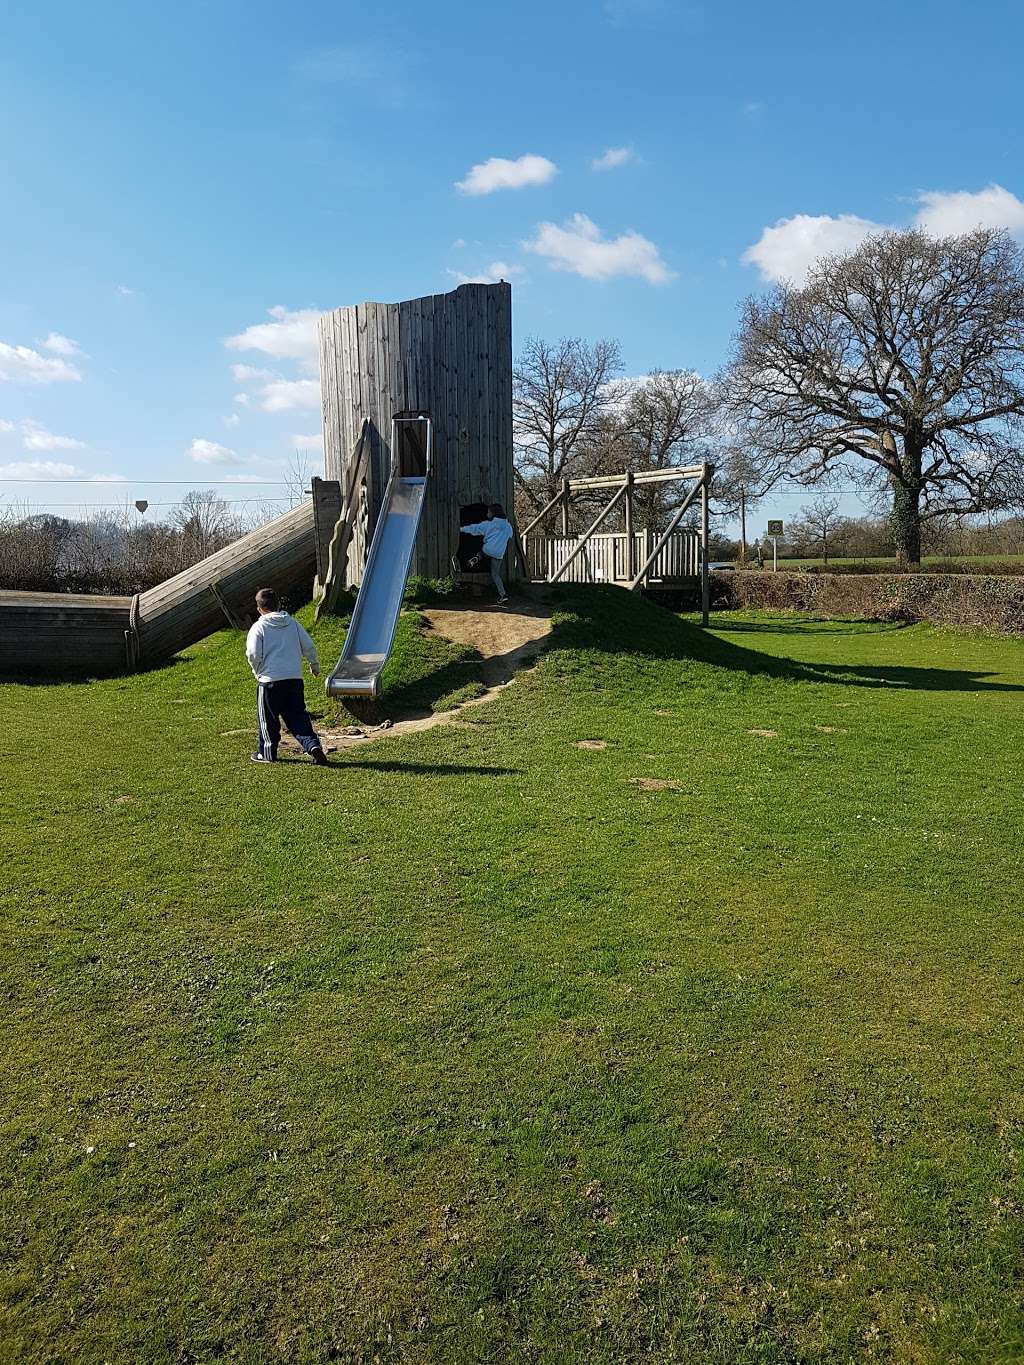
604 559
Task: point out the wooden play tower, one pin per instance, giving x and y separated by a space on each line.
445 356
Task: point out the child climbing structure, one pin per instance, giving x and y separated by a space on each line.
417 401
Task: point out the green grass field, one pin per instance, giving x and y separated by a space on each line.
474 1049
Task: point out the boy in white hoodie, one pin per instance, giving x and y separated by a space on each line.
275 648
497 532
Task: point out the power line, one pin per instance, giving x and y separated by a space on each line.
131 483
104 506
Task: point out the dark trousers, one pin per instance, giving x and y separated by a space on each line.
284 701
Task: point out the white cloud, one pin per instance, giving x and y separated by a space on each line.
291 336
242 399
125 292
41 470
580 247
22 365
786 251
458 243
499 173
315 441
245 478
35 437
209 452
497 270
949 215
231 420
61 345
614 156
5 425
250 374
289 395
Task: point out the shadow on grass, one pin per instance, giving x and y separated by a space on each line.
77 677
612 621
383 765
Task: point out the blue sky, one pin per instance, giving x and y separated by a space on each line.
169 174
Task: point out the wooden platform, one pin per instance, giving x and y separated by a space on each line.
63 633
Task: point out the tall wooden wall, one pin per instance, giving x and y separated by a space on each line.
448 355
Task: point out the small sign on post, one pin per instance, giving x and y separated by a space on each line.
775 530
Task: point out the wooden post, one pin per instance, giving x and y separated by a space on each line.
630 549
705 581
565 507
743 526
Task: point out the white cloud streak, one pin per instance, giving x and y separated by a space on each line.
38 471
497 270
499 173
579 246
23 365
614 156
289 395
61 345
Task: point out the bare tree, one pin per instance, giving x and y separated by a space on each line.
664 422
297 477
206 524
560 393
902 362
821 519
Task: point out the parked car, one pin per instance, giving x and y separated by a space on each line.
721 566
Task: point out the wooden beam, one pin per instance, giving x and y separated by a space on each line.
641 476
542 513
663 539
630 565
586 536
566 494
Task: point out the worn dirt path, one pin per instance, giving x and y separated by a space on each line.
508 638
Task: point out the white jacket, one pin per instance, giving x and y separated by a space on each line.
275 647
496 533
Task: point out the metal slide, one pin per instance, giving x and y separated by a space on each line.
371 631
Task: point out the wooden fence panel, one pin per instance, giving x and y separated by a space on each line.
604 559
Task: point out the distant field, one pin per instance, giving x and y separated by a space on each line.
699 1044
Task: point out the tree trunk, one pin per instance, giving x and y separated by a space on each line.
906 522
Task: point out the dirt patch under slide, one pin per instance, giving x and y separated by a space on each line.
507 638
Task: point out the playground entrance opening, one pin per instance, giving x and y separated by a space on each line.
470 515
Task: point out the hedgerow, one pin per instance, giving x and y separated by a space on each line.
979 601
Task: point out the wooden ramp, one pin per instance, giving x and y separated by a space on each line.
61 633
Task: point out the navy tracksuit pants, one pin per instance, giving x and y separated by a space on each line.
284 701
